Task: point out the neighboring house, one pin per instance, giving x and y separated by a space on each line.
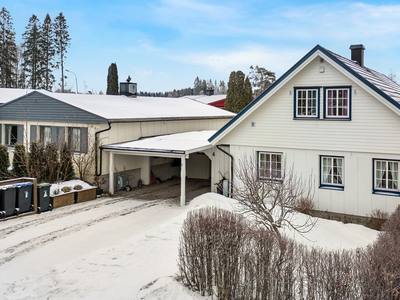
331 118
213 100
86 121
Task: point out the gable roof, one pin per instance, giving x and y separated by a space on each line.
8 94
122 108
206 99
376 81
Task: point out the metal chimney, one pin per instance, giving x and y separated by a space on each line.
357 54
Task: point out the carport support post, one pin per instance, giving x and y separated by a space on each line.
111 172
183 180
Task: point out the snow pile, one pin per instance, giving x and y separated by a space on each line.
117 248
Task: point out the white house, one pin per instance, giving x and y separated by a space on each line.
332 118
103 120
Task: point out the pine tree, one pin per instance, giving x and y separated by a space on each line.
8 50
112 80
32 54
261 79
196 86
62 42
47 46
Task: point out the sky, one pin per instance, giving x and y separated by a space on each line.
165 44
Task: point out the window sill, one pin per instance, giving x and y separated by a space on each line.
336 119
332 187
386 193
306 118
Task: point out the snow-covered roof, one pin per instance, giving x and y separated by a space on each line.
376 79
178 143
7 94
118 107
205 99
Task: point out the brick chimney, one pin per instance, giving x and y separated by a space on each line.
357 54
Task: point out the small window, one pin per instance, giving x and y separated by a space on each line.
332 171
337 103
12 135
386 174
74 139
270 166
45 134
306 102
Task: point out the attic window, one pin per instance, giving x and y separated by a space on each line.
306 103
337 103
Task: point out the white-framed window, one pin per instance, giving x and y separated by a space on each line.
306 102
337 103
386 175
270 165
45 134
332 171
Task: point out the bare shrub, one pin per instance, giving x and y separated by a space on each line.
377 219
209 252
272 202
305 205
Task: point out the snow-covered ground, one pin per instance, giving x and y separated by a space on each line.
117 248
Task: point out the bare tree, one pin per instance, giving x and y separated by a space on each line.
273 200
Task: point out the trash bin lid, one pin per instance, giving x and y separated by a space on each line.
43 184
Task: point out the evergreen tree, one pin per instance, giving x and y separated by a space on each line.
112 80
239 93
196 86
66 166
62 42
37 161
46 42
32 54
4 162
20 75
20 161
52 164
8 50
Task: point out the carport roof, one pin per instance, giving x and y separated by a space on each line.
177 144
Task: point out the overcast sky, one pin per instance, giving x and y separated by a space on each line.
164 44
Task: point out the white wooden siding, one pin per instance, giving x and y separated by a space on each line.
356 198
373 127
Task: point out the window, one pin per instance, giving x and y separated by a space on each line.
269 165
45 134
306 102
386 175
13 134
75 139
332 171
337 103
78 139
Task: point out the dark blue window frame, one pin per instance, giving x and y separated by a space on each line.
347 118
378 191
295 116
331 186
258 164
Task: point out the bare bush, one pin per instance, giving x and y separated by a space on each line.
272 202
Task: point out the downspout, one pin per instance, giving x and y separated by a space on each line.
230 155
101 150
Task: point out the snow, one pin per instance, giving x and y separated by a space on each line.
120 107
118 248
179 142
7 94
71 183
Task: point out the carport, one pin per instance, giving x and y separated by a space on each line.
179 145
